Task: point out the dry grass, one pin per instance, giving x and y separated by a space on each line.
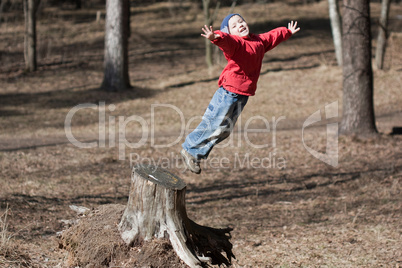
5 236
11 254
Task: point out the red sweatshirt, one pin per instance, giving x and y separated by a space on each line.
244 56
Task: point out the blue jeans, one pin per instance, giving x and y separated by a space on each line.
217 123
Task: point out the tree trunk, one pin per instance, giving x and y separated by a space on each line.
208 45
209 20
116 46
78 4
358 108
2 5
336 27
156 209
30 35
382 34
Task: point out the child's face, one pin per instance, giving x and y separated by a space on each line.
237 26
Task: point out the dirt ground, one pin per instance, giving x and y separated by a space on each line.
287 207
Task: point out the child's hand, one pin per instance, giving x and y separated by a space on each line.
292 27
209 33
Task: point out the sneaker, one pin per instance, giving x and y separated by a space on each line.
192 163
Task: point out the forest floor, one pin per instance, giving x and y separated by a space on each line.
287 207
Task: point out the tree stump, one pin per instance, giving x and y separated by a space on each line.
156 209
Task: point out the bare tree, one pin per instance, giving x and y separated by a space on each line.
30 35
336 27
78 4
117 31
382 34
2 5
358 108
209 20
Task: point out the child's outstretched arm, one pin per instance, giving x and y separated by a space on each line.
209 33
292 27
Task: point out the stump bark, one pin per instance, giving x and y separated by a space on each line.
156 209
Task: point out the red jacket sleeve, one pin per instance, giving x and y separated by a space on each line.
272 38
227 43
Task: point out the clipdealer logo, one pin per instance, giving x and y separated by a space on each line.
238 162
114 127
332 130
109 125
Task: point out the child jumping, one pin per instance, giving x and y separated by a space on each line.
244 52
